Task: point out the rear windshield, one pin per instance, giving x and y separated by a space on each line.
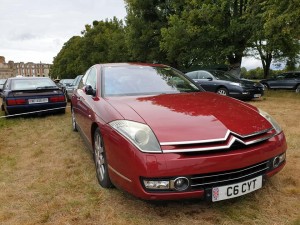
32 84
145 80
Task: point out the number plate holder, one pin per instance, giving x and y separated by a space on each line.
235 190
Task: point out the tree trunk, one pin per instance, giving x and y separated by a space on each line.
266 62
235 61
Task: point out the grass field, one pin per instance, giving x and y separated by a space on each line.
47 176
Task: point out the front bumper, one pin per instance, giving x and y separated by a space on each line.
129 167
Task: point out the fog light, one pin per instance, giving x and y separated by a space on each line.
278 160
157 184
181 183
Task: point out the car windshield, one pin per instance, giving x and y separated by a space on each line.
221 75
32 84
144 80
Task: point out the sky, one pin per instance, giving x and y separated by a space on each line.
35 30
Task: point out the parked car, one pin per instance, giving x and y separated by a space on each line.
223 83
37 95
288 80
74 85
63 84
2 82
156 135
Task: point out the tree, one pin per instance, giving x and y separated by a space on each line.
144 20
102 42
207 31
65 64
275 31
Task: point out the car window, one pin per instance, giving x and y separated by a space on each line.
82 82
290 75
193 75
91 79
204 75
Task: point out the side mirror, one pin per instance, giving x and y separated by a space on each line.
89 90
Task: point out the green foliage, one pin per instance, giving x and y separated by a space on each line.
102 42
275 31
188 34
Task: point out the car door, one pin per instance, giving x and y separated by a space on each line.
206 80
86 102
278 81
290 81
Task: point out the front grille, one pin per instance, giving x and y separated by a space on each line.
229 177
229 142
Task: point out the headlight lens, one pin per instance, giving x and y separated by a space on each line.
138 134
271 120
235 84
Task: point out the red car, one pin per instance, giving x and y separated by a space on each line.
156 135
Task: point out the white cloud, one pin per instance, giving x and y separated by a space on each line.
35 30
251 63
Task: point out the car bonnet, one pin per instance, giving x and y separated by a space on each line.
194 116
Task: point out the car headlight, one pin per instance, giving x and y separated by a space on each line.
235 84
138 134
271 120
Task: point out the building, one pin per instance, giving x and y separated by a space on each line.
30 69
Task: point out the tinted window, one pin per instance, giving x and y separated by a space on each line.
139 80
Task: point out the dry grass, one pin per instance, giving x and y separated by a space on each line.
47 177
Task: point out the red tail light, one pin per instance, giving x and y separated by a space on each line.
16 102
57 99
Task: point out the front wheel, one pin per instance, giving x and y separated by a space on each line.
298 88
74 124
100 161
222 91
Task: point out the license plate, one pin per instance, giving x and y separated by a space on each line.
235 190
257 95
37 100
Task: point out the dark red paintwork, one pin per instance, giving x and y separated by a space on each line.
173 118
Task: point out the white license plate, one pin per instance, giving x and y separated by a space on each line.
235 190
37 100
257 95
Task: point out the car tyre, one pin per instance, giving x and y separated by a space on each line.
74 123
222 91
101 161
266 87
297 89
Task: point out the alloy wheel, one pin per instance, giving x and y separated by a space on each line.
99 157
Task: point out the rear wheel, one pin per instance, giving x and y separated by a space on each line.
100 161
222 91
